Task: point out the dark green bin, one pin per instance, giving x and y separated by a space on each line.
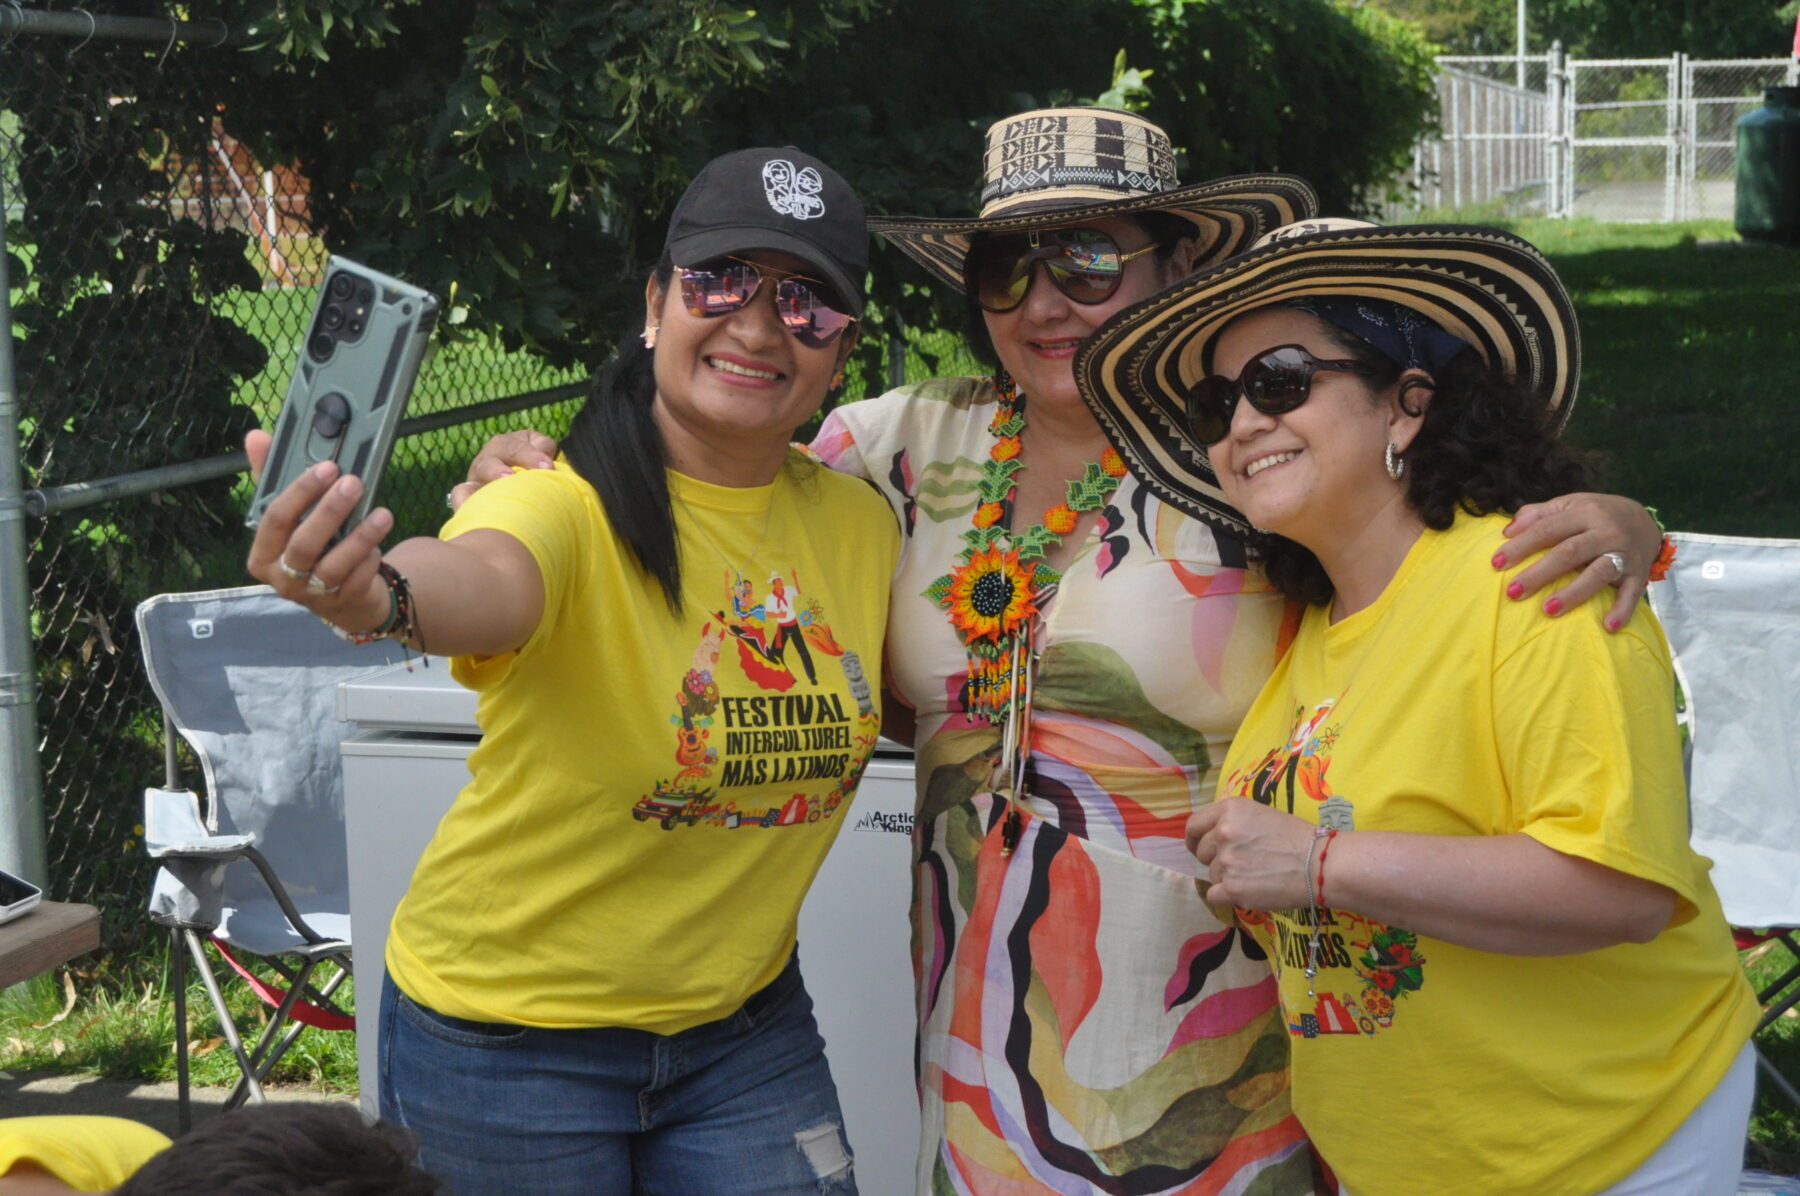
1768 169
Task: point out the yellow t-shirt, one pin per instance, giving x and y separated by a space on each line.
654 792
1446 708
90 1154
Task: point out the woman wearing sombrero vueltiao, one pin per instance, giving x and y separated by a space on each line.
1502 968
1087 1023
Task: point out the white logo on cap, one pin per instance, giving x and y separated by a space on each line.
793 192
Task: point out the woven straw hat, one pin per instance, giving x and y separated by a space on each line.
1486 286
1055 166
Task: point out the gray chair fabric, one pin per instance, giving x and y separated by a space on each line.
250 681
1731 609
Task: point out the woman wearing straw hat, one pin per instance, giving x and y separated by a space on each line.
1076 653
1466 854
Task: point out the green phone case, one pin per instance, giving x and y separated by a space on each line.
363 348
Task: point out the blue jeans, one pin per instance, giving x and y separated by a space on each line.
744 1105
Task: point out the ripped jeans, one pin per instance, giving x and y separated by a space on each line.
743 1106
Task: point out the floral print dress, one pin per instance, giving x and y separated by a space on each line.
1087 1023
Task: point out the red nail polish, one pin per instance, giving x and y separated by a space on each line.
1499 560
1515 590
1612 624
1553 606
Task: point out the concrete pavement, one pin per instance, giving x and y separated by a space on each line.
23 1094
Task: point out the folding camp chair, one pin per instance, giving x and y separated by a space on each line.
250 681
1731 609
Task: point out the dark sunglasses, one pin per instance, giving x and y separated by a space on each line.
727 284
1276 381
1084 263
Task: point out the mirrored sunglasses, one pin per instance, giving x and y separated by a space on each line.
1085 264
1276 381
725 285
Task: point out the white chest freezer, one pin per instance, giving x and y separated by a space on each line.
407 764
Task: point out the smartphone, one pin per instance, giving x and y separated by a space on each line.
361 356
17 896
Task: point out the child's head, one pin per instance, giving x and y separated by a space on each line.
286 1150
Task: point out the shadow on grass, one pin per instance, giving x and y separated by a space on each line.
1690 354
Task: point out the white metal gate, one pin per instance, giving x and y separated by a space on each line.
1646 139
1717 94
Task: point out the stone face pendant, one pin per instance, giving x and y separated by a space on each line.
1337 813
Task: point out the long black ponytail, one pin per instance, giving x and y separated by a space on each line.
615 445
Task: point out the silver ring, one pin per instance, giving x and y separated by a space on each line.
289 572
315 586
450 500
1618 564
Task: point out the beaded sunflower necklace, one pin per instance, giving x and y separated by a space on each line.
1001 576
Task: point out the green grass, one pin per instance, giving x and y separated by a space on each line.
1690 351
1775 1123
121 1025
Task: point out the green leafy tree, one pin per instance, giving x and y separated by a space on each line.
1607 28
527 153
125 362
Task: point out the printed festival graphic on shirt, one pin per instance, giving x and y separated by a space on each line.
795 730
1365 967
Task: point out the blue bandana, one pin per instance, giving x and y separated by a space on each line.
1398 333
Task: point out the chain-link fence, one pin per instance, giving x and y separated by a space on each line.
1650 139
1717 95
159 284
160 280
1494 117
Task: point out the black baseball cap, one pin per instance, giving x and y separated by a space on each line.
780 199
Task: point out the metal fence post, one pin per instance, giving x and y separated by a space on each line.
21 783
1563 130
1672 113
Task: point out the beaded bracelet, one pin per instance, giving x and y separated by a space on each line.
1659 568
402 620
1665 556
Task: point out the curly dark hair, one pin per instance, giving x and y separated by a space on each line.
1487 444
1165 230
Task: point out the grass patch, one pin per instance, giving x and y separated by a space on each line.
1689 346
1775 1122
117 1020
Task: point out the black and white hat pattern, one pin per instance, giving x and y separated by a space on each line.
1483 286
1056 166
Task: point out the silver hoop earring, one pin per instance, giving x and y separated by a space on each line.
1395 466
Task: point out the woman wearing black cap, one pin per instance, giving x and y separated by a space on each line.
591 980
1466 855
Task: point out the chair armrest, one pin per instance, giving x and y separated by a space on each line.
173 829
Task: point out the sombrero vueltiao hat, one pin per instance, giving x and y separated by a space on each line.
1482 285
1054 166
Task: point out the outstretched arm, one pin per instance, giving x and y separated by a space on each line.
479 594
1576 532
